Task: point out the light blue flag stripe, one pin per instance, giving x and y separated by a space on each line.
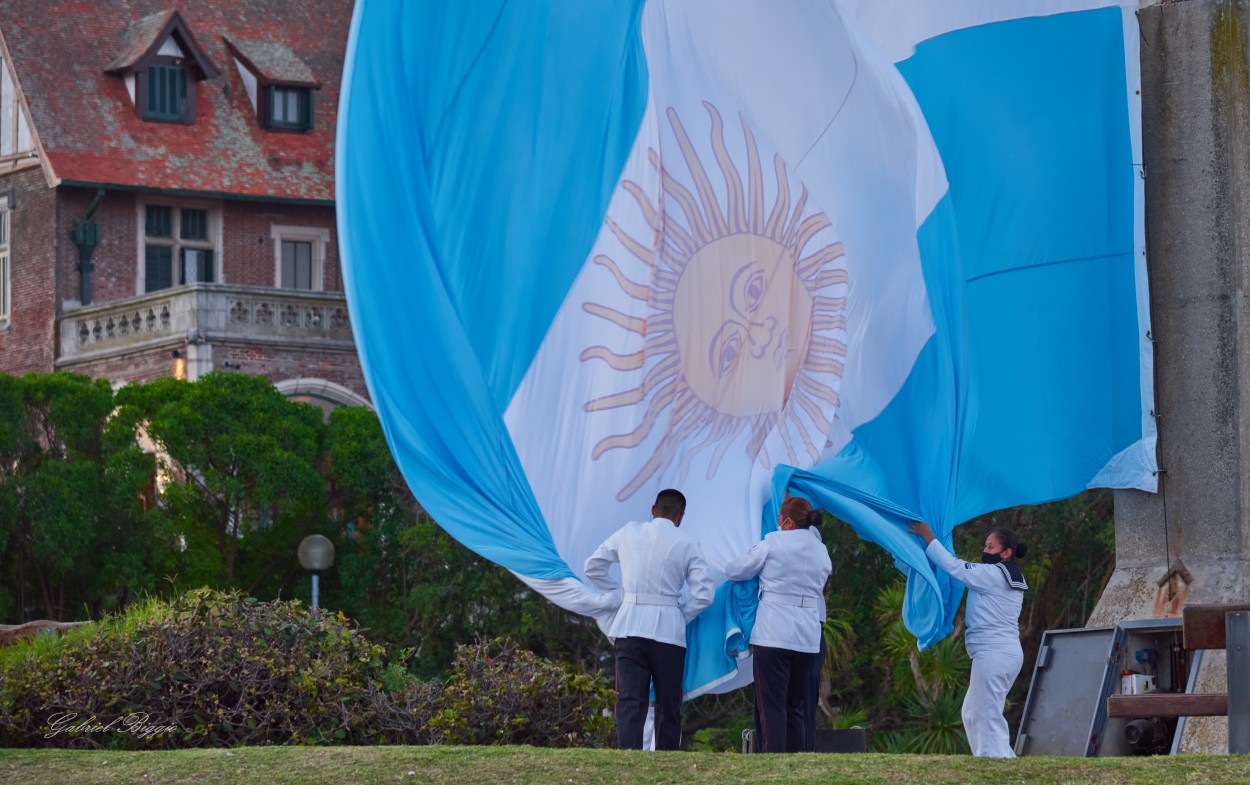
1039 158
1035 353
524 123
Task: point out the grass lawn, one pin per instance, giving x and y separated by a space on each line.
532 766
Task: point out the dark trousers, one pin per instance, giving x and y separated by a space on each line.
811 700
781 679
640 662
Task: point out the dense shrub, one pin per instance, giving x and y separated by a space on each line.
499 694
219 669
213 669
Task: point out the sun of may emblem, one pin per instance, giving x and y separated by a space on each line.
746 320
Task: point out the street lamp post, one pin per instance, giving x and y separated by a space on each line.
316 554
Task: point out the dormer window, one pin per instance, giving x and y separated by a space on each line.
162 64
279 84
290 108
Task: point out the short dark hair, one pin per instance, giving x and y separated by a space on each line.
670 503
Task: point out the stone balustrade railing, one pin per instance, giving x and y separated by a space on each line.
205 312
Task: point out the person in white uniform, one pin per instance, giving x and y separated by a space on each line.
991 632
785 642
649 631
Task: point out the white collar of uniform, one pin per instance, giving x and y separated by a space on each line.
811 530
658 521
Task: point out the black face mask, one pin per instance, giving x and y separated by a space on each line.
991 558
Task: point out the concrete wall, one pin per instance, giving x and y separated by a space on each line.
1196 145
1191 541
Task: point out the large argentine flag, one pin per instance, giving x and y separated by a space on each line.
884 254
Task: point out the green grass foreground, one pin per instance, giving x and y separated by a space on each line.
532 766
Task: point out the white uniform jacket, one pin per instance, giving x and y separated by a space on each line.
992 617
792 569
657 560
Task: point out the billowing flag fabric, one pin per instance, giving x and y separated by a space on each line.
887 255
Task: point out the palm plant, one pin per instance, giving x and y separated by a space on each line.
842 717
839 635
945 666
928 685
935 725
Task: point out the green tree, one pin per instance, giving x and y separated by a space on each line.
404 578
373 509
239 468
75 526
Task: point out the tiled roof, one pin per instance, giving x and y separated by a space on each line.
87 124
146 34
139 39
273 61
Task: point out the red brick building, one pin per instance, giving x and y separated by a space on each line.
166 191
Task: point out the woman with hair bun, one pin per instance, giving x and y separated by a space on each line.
793 565
991 632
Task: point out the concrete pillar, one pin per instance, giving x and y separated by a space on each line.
1191 541
199 355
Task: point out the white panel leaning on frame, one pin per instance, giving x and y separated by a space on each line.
14 131
6 269
299 254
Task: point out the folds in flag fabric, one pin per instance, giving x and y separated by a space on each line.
886 254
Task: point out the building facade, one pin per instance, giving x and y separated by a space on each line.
166 191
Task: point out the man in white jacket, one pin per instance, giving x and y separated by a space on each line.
649 630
